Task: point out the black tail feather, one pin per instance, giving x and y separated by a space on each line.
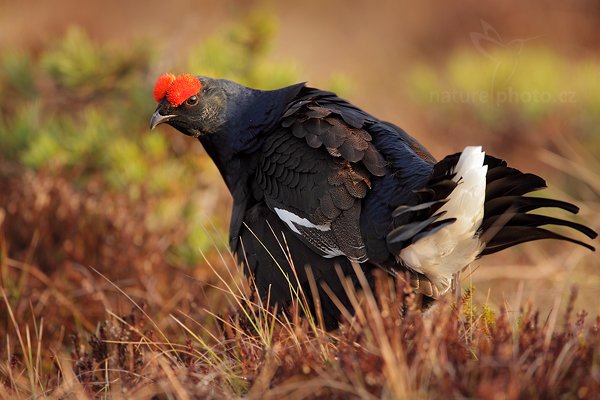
416 221
535 220
513 185
506 222
514 235
406 234
522 204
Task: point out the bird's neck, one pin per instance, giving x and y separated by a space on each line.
236 146
229 164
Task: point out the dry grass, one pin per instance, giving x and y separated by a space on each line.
389 350
129 326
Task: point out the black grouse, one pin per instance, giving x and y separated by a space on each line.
317 182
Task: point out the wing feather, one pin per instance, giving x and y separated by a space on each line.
322 151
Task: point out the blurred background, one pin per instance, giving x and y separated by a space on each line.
87 192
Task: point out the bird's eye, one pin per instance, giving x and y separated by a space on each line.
192 101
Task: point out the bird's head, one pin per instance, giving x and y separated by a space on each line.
193 105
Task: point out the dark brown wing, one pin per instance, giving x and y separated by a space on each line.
314 171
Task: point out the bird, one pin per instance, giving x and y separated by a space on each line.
321 188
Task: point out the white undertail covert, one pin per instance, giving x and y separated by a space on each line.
452 248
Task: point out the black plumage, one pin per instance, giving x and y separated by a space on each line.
318 183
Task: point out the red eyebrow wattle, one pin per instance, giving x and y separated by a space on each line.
176 89
162 85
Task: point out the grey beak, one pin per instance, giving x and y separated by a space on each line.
158 119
